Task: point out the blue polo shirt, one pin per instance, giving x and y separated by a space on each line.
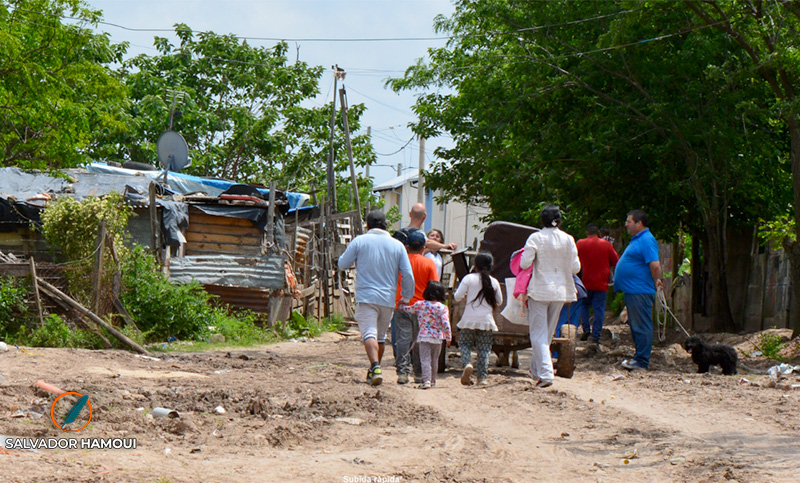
632 275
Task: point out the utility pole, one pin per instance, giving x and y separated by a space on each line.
421 179
369 197
399 169
337 74
353 179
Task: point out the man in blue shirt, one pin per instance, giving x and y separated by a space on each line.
638 275
379 259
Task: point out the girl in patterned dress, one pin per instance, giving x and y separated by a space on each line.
434 327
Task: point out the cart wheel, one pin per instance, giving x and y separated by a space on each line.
566 357
502 358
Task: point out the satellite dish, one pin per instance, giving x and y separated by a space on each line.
173 152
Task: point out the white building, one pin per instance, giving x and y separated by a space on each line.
460 222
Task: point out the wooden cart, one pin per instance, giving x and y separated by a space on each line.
501 239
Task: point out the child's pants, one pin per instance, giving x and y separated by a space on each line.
429 358
481 340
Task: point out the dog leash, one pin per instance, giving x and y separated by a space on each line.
663 308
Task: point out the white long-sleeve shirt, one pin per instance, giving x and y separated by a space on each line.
555 259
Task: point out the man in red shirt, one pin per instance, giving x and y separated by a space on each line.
404 325
597 257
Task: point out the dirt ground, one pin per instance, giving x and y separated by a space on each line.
301 411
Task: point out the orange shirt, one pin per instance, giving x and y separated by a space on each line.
424 270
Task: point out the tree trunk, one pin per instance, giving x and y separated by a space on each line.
793 250
721 316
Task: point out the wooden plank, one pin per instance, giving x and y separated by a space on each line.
223 229
197 216
15 269
91 316
35 281
226 239
207 248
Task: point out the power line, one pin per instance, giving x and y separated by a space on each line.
333 39
402 148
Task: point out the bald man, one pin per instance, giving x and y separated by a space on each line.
417 215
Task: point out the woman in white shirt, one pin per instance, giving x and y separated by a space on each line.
554 258
483 295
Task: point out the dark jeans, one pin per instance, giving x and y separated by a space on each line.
405 328
596 300
640 318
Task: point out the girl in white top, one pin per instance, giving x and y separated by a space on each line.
483 295
554 258
438 236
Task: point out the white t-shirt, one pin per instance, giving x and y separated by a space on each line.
437 259
477 314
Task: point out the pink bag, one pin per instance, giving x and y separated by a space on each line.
523 276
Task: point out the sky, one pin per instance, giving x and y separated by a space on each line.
320 28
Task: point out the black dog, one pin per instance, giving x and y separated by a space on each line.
705 355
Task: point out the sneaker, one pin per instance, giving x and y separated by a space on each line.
403 379
595 340
425 385
466 376
418 379
585 336
375 376
482 381
543 384
632 365
433 383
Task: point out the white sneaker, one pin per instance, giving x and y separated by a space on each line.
466 376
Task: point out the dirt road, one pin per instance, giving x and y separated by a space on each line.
300 411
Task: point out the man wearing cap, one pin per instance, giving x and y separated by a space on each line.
404 324
379 260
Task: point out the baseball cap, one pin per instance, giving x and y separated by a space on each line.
416 239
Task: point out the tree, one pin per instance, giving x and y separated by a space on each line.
767 32
239 107
608 105
56 88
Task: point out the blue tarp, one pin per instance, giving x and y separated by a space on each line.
186 183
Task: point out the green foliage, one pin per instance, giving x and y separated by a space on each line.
12 298
55 333
162 309
299 326
779 232
73 225
393 215
770 346
616 303
241 109
56 89
239 328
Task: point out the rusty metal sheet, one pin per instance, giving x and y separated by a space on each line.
265 272
253 299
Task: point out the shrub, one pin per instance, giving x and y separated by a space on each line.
163 309
770 345
299 326
55 333
72 225
13 311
